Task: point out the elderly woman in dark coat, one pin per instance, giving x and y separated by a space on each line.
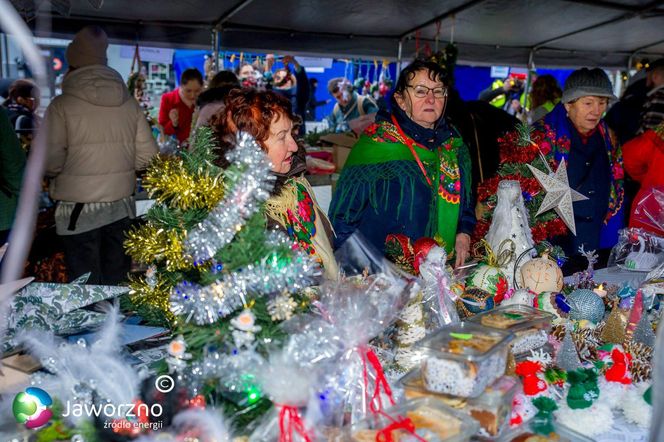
579 135
410 172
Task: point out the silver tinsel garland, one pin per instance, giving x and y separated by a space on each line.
206 305
233 372
250 187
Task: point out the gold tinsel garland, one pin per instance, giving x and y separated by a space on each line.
155 294
149 244
167 180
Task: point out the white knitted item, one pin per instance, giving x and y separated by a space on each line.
460 378
410 330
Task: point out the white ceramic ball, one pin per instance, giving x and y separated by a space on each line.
541 275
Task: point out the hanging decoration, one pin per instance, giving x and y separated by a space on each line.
559 196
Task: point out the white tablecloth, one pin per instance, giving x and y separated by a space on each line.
621 431
615 275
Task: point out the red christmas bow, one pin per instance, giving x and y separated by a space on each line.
289 422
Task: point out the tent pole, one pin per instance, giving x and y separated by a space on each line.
231 12
2 59
215 48
630 60
399 55
530 67
618 88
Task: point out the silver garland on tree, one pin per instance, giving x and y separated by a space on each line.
206 305
233 372
251 188
274 274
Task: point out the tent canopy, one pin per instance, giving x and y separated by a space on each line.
556 33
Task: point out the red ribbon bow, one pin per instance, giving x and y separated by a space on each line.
289 422
376 403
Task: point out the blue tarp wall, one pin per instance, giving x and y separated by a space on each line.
470 80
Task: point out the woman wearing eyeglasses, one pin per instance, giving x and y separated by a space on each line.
410 172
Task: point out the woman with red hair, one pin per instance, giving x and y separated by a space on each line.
269 118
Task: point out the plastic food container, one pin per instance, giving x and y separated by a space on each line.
492 409
433 420
529 325
463 359
561 434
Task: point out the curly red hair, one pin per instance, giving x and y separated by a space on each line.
253 112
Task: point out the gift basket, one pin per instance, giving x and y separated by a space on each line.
640 248
649 211
637 250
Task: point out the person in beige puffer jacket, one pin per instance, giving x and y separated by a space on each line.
97 138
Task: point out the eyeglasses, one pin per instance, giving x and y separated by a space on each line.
422 91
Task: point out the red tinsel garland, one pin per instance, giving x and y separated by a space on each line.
489 187
549 229
514 156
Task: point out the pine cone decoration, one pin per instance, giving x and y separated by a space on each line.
639 352
641 360
586 343
558 332
641 371
597 331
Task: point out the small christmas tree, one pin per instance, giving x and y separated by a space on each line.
643 332
518 149
567 357
614 329
219 278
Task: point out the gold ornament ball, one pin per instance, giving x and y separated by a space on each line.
541 275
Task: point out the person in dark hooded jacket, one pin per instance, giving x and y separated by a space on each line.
294 85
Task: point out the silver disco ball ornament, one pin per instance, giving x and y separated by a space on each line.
585 304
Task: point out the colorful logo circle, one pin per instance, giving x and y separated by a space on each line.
32 407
